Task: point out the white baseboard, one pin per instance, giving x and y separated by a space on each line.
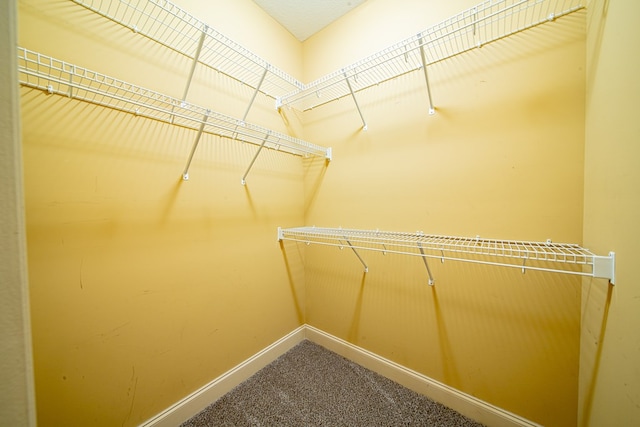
467 405
463 403
206 395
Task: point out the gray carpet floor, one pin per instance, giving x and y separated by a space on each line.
312 386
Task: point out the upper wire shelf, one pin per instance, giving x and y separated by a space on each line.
58 77
544 256
487 22
167 24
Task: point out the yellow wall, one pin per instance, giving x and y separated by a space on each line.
145 287
17 397
341 44
501 158
610 347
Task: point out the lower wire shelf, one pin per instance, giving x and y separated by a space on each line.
547 256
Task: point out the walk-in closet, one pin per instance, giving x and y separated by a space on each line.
442 192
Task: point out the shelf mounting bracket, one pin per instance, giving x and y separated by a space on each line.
423 56
355 100
185 174
605 267
264 141
426 264
366 269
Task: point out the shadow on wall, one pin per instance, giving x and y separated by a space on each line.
594 326
449 371
294 127
170 200
357 312
315 169
295 275
594 51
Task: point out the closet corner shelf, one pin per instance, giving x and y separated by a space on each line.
542 256
167 24
484 23
58 77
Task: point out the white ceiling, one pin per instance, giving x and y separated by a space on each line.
304 18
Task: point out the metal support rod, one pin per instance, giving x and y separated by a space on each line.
353 95
195 62
72 72
244 177
423 56
185 174
366 269
426 264
255 92
253 98
475 20
193 68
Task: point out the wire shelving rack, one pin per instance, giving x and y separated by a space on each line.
58 77
489 21
546 256
169 25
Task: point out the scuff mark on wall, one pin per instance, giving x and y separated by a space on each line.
81 265
131 391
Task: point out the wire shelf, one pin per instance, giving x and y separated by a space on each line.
487 22
543 256
167 24
58 77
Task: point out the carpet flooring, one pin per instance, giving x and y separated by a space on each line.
312 386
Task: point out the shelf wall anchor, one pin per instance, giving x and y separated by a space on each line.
264 141
353 95
605 267
185 174
423 56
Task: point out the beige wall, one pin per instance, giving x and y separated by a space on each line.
145 287
501 158
17 404
610 347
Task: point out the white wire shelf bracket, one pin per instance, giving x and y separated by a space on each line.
169 25
54 76
489 21
541 256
